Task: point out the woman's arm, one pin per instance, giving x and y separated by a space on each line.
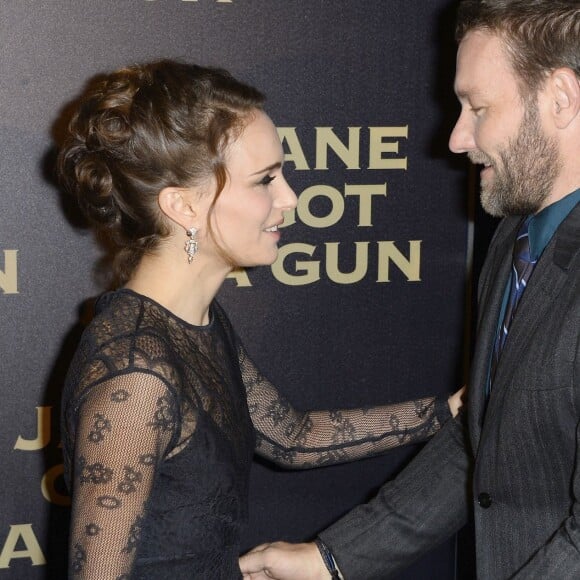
303 439
124 426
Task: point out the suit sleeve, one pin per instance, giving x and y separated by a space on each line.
424 505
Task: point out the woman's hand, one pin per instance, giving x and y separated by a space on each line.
455 401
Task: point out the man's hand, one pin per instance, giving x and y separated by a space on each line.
284 561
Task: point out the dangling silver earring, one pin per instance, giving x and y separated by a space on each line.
191 244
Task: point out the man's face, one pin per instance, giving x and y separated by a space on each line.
502 131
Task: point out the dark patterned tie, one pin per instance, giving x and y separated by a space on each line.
522 267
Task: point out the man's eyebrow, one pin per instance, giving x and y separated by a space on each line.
468 92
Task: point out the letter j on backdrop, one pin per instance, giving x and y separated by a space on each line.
9 275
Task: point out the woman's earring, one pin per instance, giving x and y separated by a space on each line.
191 244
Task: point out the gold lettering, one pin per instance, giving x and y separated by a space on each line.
410 267
361 263
9 552
311 269
9 277
289 218
377 147
365 193
348 154
295 152
48 488
42 438
240 276
336 200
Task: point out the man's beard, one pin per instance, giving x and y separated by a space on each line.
524 172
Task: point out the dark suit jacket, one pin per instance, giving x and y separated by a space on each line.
519 470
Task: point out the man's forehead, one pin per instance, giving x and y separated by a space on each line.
480 45
481 58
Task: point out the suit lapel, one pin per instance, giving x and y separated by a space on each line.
568 240
548 279
492 286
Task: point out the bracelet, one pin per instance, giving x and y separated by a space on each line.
328 559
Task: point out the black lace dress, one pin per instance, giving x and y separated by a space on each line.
160 421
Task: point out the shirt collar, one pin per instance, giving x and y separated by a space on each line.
544 224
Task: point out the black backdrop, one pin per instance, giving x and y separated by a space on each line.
366 305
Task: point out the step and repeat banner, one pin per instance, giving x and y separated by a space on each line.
365 304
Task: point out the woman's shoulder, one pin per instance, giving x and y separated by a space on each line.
115 313
124 313
121 339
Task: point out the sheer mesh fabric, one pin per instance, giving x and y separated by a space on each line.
158 443
160 420
303 439
126 431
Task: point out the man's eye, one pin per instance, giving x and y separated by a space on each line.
267 179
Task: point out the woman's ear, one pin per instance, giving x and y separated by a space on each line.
178 203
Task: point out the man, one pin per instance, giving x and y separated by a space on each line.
518 465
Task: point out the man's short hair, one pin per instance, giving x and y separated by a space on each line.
539 35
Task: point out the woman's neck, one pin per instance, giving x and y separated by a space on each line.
186 290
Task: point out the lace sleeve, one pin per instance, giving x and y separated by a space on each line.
303 439
123 429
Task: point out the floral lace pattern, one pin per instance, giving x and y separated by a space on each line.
160 420
297 439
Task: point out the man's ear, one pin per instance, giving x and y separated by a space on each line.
177 203
564 94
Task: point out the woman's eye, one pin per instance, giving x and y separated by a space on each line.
267 179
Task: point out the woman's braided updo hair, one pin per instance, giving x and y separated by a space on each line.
141 129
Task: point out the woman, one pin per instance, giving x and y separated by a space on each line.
180 167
